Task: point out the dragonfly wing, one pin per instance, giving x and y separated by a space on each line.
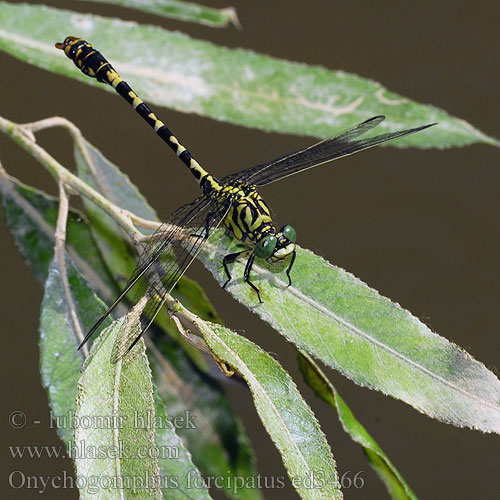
170 229
344 144
168 235
165 259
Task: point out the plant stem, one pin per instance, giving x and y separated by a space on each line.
23 135
60 256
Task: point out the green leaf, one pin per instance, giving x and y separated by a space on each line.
116 410
183 11
31 217
287 418
316 379
216 438
67 306
233 85
180 478
375 342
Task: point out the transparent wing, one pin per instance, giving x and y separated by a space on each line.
167 254
166 268
341 145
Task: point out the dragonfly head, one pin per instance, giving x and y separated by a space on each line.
274 247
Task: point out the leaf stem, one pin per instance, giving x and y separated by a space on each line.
60 256
23 135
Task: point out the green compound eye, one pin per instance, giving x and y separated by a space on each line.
289 233
265 247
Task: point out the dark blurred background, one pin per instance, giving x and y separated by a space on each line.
421 227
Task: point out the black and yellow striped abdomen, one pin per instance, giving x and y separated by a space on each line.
92 63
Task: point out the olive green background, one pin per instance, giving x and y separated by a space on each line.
420 226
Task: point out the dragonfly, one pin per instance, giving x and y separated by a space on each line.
233 202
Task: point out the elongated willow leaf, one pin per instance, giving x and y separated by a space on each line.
215 438
287 418
183 11
373 341
131 439
396 485
238 86
68 308
176 467
68 304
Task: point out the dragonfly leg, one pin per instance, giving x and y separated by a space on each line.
208 224
292 260
230 257
246 275
205 233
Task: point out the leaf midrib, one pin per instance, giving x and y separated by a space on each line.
358 331
250 377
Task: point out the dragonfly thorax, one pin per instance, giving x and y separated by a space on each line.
249 218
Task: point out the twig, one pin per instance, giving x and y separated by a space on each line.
23 136
60 256
190 337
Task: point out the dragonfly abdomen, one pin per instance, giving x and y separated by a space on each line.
92 63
